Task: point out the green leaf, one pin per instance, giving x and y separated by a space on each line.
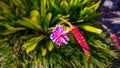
85 2
85 61
18 3
91 65
35 19
19 28
54 5
95 6
48 19
9 15
2 40
43 8
71 2
34 13
30 24
32 41
9 27
7 32
64 6
75 2
17 12
55 18
26 24
31 47
44 51
35 4
82 12
5 7
91 29
35 24
27 36
99 64
50 45
72 39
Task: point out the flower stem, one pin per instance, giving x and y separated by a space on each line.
65 21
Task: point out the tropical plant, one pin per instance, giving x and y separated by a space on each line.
26 26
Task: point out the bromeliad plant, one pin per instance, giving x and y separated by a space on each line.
34 33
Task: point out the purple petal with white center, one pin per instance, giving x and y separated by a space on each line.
59 35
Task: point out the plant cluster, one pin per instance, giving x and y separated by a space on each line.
26 27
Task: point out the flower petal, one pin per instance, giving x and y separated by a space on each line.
59 35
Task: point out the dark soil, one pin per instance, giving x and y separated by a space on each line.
113 23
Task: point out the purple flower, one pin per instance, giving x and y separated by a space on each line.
59 35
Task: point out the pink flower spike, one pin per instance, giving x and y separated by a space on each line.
81 40
115 39
59 35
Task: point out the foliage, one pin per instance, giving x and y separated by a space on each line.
25 27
